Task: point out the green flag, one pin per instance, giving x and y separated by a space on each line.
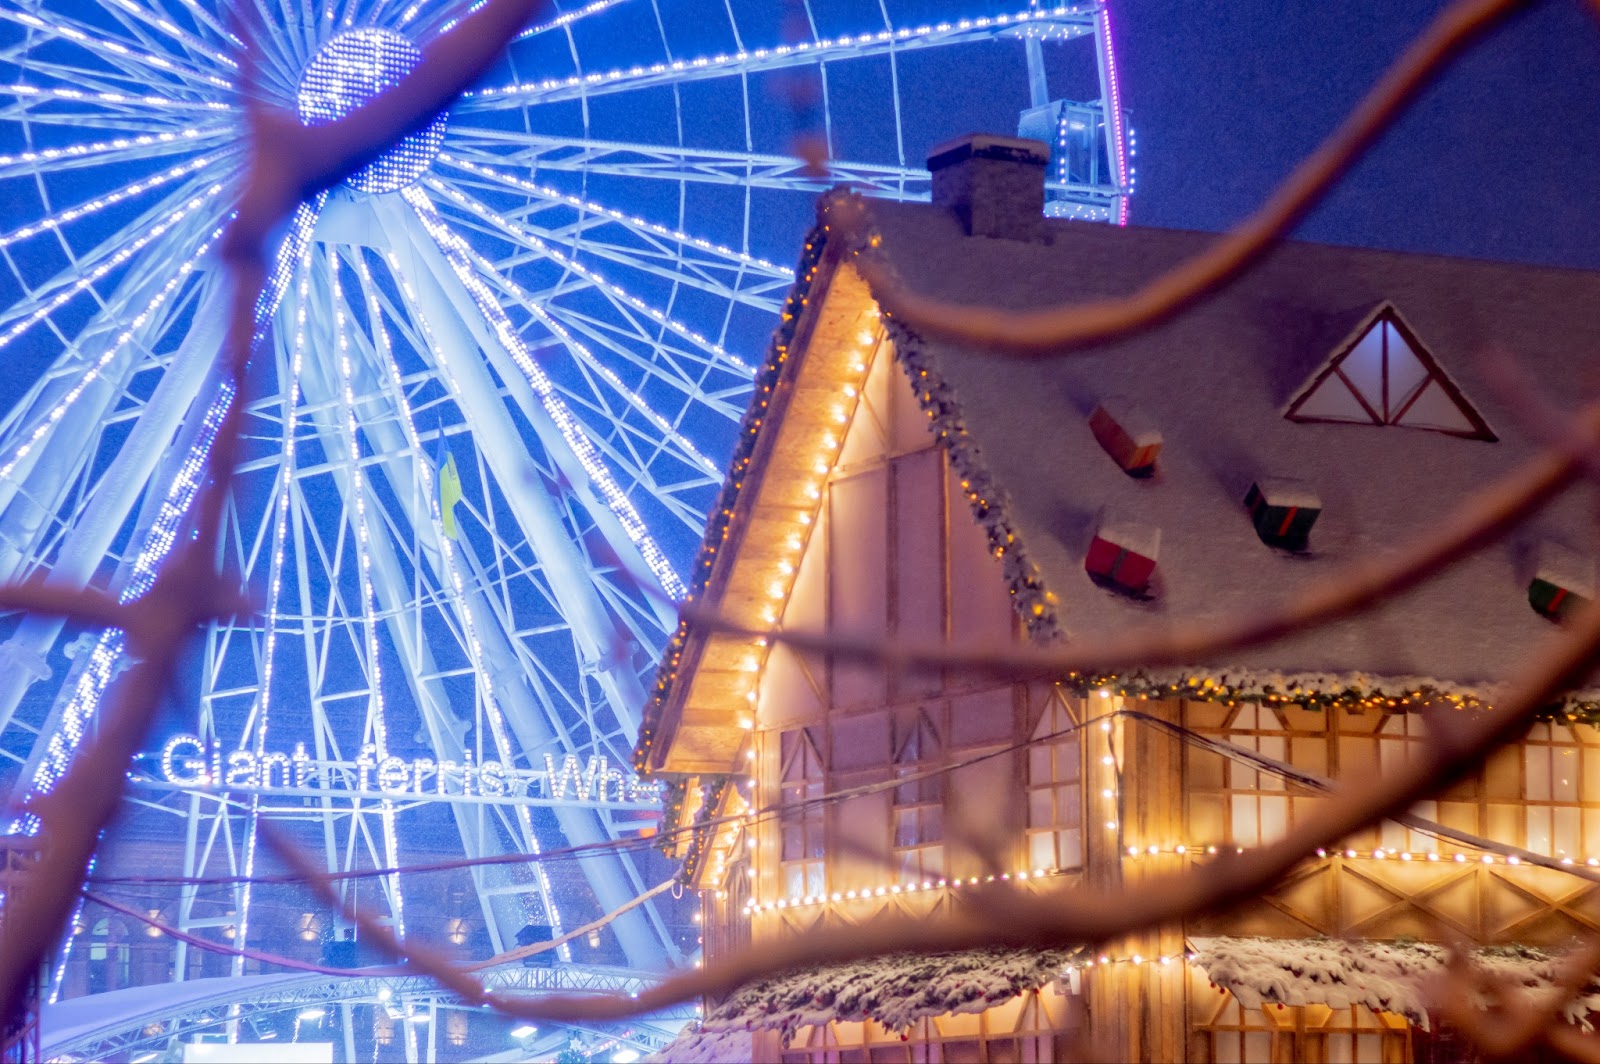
449 495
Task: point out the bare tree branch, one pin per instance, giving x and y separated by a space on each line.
1479 521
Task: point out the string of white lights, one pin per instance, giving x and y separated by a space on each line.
109 649
358 504
275 576
114 99
610 288
452 568
177 139
457 255
743 57
565 19
631 397
631 220
93 372
149 15
122 255
54 222
59 27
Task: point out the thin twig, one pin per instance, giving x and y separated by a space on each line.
1085 916
1479 521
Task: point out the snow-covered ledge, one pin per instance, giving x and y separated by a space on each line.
1383 976
894 991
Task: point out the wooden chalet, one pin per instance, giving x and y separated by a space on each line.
1319 413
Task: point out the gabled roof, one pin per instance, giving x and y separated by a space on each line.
1217 379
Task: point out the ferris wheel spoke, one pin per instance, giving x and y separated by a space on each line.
627 303
145 105
535 152
157 25
664 238
88 208
457 259
713 277
1062 22
114 152
445 19
137 63
95 266
669 434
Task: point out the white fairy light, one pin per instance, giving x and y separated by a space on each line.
369 607
69 32
294 250
631 397
107 147
631 220
115 99
349 70
819 50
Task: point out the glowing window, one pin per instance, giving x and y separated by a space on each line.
1386 377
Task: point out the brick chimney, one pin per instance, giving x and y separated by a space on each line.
994 184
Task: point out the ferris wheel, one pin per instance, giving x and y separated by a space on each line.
497 374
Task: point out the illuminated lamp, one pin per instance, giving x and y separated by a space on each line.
1122 555
1283 511
1128 435
351 69
1562 581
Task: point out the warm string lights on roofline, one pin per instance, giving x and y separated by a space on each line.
898 889
1033 18
452 567
457 255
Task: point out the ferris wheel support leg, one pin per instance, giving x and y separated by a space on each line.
446 306
445 730
118 490
449 322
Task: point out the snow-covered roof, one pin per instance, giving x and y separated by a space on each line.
895 991
1394 977
1217 379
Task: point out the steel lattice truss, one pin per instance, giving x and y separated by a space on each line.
497 375
211 1004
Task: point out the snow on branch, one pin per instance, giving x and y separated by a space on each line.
894 991
1400 977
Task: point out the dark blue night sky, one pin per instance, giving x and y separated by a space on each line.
1500 160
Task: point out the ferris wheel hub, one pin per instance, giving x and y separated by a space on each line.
345 73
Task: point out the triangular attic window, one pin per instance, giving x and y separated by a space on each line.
1386 377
